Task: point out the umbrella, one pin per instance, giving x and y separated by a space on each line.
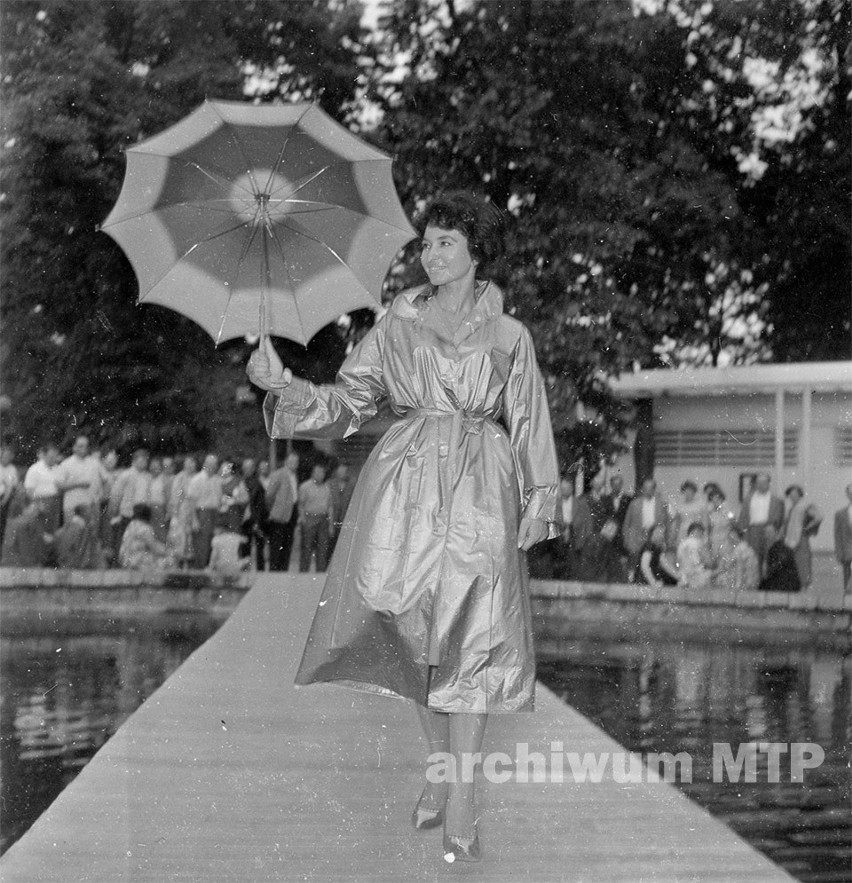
259 219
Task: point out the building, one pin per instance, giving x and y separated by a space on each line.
793 421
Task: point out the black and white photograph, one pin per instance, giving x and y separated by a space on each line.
426 441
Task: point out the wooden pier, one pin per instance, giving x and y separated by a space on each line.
231 773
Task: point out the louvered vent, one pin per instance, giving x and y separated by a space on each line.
725 447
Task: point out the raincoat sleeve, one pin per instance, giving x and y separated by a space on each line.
307 410
527 418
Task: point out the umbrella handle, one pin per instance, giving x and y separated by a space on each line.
262 323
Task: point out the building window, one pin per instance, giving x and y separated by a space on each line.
843 445
723 447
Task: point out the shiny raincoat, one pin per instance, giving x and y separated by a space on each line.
427 570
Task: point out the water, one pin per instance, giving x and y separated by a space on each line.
670 695
63 697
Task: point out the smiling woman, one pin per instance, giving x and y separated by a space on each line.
426 596
446 256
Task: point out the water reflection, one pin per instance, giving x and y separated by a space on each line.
63 697
669 695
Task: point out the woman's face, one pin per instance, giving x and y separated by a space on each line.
445 255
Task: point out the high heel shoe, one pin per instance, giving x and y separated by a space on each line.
462 849
425 817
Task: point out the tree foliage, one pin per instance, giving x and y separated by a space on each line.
675 176
82 81
764 94
543 108
636 234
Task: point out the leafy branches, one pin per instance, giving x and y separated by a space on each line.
82 81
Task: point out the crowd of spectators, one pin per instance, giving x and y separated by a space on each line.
85 511
698 540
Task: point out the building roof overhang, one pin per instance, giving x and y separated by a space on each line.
740 379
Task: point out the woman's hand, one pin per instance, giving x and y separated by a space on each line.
531 531
266 370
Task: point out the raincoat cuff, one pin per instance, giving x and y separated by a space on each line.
541 505
283 411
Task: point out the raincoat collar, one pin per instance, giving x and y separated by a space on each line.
488 306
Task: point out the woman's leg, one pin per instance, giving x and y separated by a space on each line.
436 726
466 733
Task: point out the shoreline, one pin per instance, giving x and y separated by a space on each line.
39 598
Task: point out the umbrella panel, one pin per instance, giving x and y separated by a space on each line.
298 246
220 226
203 301
208 171
345 271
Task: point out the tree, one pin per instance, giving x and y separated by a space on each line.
83 80
614 219
763 93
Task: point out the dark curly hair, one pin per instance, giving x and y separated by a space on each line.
480 221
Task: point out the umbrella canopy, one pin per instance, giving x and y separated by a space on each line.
269 219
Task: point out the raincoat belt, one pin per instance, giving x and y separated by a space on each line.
462 422
469 421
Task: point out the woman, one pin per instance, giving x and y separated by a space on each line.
738 569
688 510
75 546
719 519
158 500
235 496
182 515
655 569
140 548
803 521
109 476
693 559
781 575
426 594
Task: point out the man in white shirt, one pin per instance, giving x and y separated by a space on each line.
40 484
761 510
616 503
131 488
644 513
282 500
80 479
316 511
204 492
